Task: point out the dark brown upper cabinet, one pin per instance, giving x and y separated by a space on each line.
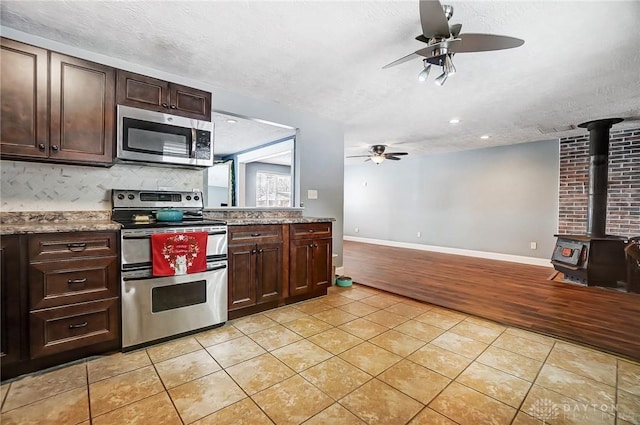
76 125
24 130
144 92
82 111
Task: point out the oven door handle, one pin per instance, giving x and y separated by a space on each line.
212 269
221 232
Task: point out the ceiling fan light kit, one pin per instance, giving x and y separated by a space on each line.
444 40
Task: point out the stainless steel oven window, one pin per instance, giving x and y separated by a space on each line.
178 296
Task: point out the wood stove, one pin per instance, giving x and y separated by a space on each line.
594 259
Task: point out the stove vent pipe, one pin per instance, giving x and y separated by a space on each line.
598 174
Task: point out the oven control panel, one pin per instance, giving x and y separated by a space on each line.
151 199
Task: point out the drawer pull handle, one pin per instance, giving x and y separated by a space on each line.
79 325
76 281
77 246
255 235
310 230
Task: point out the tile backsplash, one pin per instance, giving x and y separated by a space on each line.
33 186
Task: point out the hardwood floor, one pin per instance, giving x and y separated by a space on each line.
510 293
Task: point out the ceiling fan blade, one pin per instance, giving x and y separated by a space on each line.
434 22
484 43
397 153
358 156
392 158
455 29
401 60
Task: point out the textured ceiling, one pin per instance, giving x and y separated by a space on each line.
242 134
580 61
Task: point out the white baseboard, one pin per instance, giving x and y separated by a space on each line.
456 251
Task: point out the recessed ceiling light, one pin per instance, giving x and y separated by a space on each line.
454 120
485 137
232 121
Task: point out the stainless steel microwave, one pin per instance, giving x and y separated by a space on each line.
154 137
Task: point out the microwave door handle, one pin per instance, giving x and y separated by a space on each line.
193 142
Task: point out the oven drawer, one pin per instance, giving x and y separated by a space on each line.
57 246
55 330
259 233
310 230
58 283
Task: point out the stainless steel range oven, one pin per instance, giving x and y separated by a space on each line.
157 308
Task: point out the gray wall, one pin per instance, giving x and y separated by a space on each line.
494 200
251 169
319 142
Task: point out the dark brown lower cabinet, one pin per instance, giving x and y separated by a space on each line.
60 299
255 274
258 268
310 258
12 301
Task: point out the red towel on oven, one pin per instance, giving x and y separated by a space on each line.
178 253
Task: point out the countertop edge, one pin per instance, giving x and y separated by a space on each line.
288 220
78 226
7 229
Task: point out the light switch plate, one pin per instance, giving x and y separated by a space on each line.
312 194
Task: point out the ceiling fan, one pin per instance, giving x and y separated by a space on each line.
444 40
378 154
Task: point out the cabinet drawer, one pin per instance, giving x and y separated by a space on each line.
58 283
310 230
249 234
55 330
56 246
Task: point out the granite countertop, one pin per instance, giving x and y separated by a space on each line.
276 220
16 223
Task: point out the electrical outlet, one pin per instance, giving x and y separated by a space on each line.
356 230
534 245
312 194
419 234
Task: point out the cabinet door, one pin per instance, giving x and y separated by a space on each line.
23 93
242 277
300 263
143 92
269 272
190 102
82 110
12 308
321 272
